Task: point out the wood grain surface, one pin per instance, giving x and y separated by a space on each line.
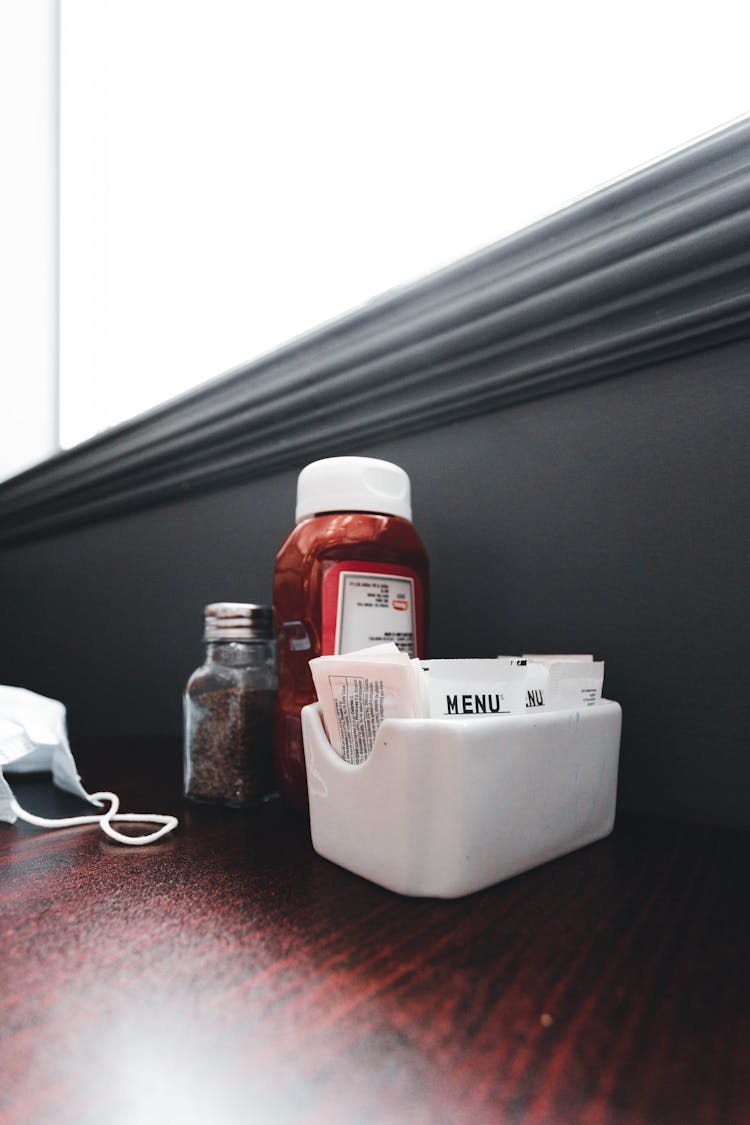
229 974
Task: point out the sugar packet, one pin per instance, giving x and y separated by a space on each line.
574 684
571 680
357 690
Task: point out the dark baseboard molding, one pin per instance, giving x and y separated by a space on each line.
650 268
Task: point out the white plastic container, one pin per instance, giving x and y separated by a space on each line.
445 807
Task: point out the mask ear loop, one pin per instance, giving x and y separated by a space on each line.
104 820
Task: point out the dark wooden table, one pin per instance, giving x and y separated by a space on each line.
231 975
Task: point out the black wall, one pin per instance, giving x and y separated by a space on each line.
611 518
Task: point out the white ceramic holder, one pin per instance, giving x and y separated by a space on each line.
445 807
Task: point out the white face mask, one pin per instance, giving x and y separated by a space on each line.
33 738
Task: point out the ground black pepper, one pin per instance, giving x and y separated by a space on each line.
229 707
232 746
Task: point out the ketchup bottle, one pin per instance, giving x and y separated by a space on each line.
352 574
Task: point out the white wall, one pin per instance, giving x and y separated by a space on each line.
28 232
234 173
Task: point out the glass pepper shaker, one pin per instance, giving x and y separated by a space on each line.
229 708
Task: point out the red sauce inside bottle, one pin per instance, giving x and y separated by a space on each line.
312 550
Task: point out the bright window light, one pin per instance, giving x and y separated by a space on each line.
234 173
28 233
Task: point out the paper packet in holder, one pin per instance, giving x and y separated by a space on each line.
358 690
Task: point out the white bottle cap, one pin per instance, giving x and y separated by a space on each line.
353 484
